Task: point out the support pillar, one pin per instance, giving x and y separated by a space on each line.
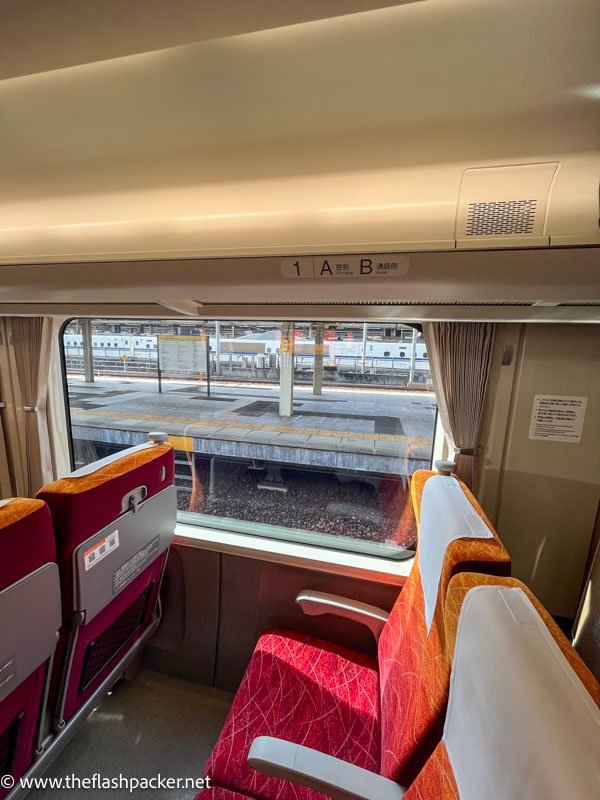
364 348
318 363
413 353
218 347
88 353
286 370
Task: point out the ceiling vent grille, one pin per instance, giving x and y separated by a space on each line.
508 217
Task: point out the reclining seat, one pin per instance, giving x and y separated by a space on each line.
586 630
114 521
328 697
30 618
522 720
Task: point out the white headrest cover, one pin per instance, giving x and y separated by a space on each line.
89 469
446 514
520 724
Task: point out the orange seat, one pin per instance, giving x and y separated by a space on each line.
523 717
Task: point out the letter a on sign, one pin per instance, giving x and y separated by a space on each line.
325 268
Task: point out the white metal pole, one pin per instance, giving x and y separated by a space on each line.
218 347
413 352
286 370
364 347
318 359
88 352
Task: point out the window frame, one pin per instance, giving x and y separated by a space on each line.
258 531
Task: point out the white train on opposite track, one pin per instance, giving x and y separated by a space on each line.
262 350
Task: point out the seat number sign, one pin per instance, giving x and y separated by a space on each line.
330 267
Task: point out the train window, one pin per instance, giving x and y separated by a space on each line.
277 446
424 354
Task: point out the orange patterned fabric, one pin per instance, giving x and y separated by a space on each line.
414 665
18 508
119 467
461 584
436 779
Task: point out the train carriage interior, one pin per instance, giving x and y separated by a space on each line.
300 399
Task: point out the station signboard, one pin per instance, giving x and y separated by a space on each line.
182 353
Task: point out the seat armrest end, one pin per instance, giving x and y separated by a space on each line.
317 603
338 779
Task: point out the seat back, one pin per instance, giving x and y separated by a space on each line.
586 631
114 521
30 617
413 662
523 717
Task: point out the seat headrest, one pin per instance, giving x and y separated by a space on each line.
89 469
445 515
520 723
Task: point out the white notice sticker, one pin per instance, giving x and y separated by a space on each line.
557 418
100 550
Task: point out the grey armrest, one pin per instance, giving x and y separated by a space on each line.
316 603
331 776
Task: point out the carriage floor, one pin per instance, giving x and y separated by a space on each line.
152 725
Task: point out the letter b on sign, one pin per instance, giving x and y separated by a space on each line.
366 266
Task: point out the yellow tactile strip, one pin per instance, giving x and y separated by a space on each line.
227 423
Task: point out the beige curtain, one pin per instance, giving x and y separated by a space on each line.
31 338
460 355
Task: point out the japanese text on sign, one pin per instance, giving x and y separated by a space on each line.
182 353
364 266
557 418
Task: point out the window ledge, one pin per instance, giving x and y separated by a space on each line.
322 559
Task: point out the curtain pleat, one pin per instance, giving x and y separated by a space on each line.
462 352
27 335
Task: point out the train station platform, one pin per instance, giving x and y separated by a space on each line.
367 430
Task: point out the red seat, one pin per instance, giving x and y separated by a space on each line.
312 693
114 522
29 623
306 691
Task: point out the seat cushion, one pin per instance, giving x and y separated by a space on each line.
306 691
